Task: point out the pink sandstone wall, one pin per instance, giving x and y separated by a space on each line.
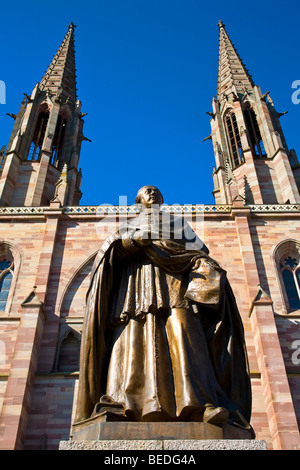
76 243
77 239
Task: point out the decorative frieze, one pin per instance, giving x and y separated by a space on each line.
172 209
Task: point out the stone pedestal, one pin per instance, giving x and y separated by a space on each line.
167 446
96 434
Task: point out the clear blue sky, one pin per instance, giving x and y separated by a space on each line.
146 75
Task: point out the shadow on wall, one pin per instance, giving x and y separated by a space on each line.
52 403
50 416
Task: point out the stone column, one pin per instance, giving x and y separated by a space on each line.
20 382
52 215
21 379
278 400
9 177
279 405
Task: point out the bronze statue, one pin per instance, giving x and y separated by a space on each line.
162 338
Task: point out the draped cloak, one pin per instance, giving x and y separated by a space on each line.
162 338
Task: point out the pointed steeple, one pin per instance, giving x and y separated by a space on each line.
252 158
46 139
232 71
60 77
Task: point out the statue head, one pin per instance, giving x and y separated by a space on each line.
148 196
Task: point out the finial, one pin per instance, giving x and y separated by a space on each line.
221 24
72 25
64 171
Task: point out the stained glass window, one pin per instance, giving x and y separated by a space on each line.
6 276
290 272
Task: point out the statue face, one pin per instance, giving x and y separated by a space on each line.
149 195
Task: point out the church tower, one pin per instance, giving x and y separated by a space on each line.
41 160
253 161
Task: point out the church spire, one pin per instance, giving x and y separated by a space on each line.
253 161
232 71
46 138
60 77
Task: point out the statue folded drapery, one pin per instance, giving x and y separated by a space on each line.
162 338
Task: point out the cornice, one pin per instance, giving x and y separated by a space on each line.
179 209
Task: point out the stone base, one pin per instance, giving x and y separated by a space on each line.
98 434
164 445
95 429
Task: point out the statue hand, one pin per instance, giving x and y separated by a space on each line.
142 238
197 263
127 241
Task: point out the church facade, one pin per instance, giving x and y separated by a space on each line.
48 242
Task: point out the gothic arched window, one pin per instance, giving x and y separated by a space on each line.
36 145
234 140
68 360
58 141
6 277
256 141
68 350
287 258
290 272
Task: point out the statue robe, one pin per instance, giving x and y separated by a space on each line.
161 339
